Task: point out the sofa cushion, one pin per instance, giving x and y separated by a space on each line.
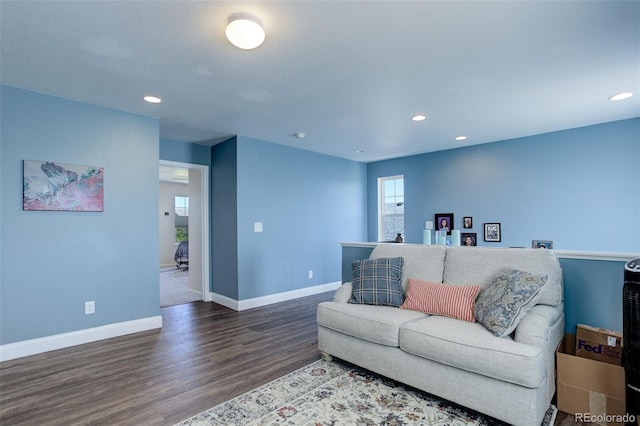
478 265
377 324
471 347
420 261
343 293
377 281
455 301
511 294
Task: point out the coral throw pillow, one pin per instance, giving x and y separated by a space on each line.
455 301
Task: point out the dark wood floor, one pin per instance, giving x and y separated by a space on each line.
204 355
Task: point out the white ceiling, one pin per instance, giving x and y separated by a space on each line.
349 74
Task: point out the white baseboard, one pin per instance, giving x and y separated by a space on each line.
224 301
241 305
65 340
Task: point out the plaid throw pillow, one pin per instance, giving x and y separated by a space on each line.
377 281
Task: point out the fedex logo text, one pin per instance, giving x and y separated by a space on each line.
599 349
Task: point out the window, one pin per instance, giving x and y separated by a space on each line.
390 207
182 218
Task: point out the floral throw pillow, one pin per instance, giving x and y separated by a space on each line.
377 281
510 295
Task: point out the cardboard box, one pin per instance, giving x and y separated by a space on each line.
599 344
592 391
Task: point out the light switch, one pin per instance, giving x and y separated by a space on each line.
257 227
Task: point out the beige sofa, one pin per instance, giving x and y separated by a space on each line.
510 378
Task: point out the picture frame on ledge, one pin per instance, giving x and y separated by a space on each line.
444 220
492 232
543 244
469 239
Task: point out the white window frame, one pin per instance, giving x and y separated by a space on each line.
381 198
184 205
181 205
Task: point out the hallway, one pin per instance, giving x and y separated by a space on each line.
174 287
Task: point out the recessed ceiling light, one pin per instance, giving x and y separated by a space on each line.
245 31
461 138
152 99
419 117
621 96
359 151
300 135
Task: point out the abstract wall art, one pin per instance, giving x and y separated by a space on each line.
57 186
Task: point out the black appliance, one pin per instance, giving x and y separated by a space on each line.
631 335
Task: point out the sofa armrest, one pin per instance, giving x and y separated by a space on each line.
343 293
535 328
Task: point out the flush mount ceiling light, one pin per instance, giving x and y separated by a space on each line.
621 96
460 138
245 31
152 99
419 117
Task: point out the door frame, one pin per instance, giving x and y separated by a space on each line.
204 214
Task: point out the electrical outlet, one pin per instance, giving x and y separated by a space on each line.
310 273
89 307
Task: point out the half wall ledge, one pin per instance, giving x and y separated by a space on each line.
562 254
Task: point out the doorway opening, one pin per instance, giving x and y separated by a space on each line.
184 278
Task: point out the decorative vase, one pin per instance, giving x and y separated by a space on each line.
426 237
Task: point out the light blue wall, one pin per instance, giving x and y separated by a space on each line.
308 203
52 262
572 187
576 187
565 186
184 152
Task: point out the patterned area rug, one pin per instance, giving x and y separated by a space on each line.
337 393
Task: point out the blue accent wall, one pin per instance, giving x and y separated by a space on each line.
308 203
349 254
52 262
185 152
578 188
224 212
592 293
